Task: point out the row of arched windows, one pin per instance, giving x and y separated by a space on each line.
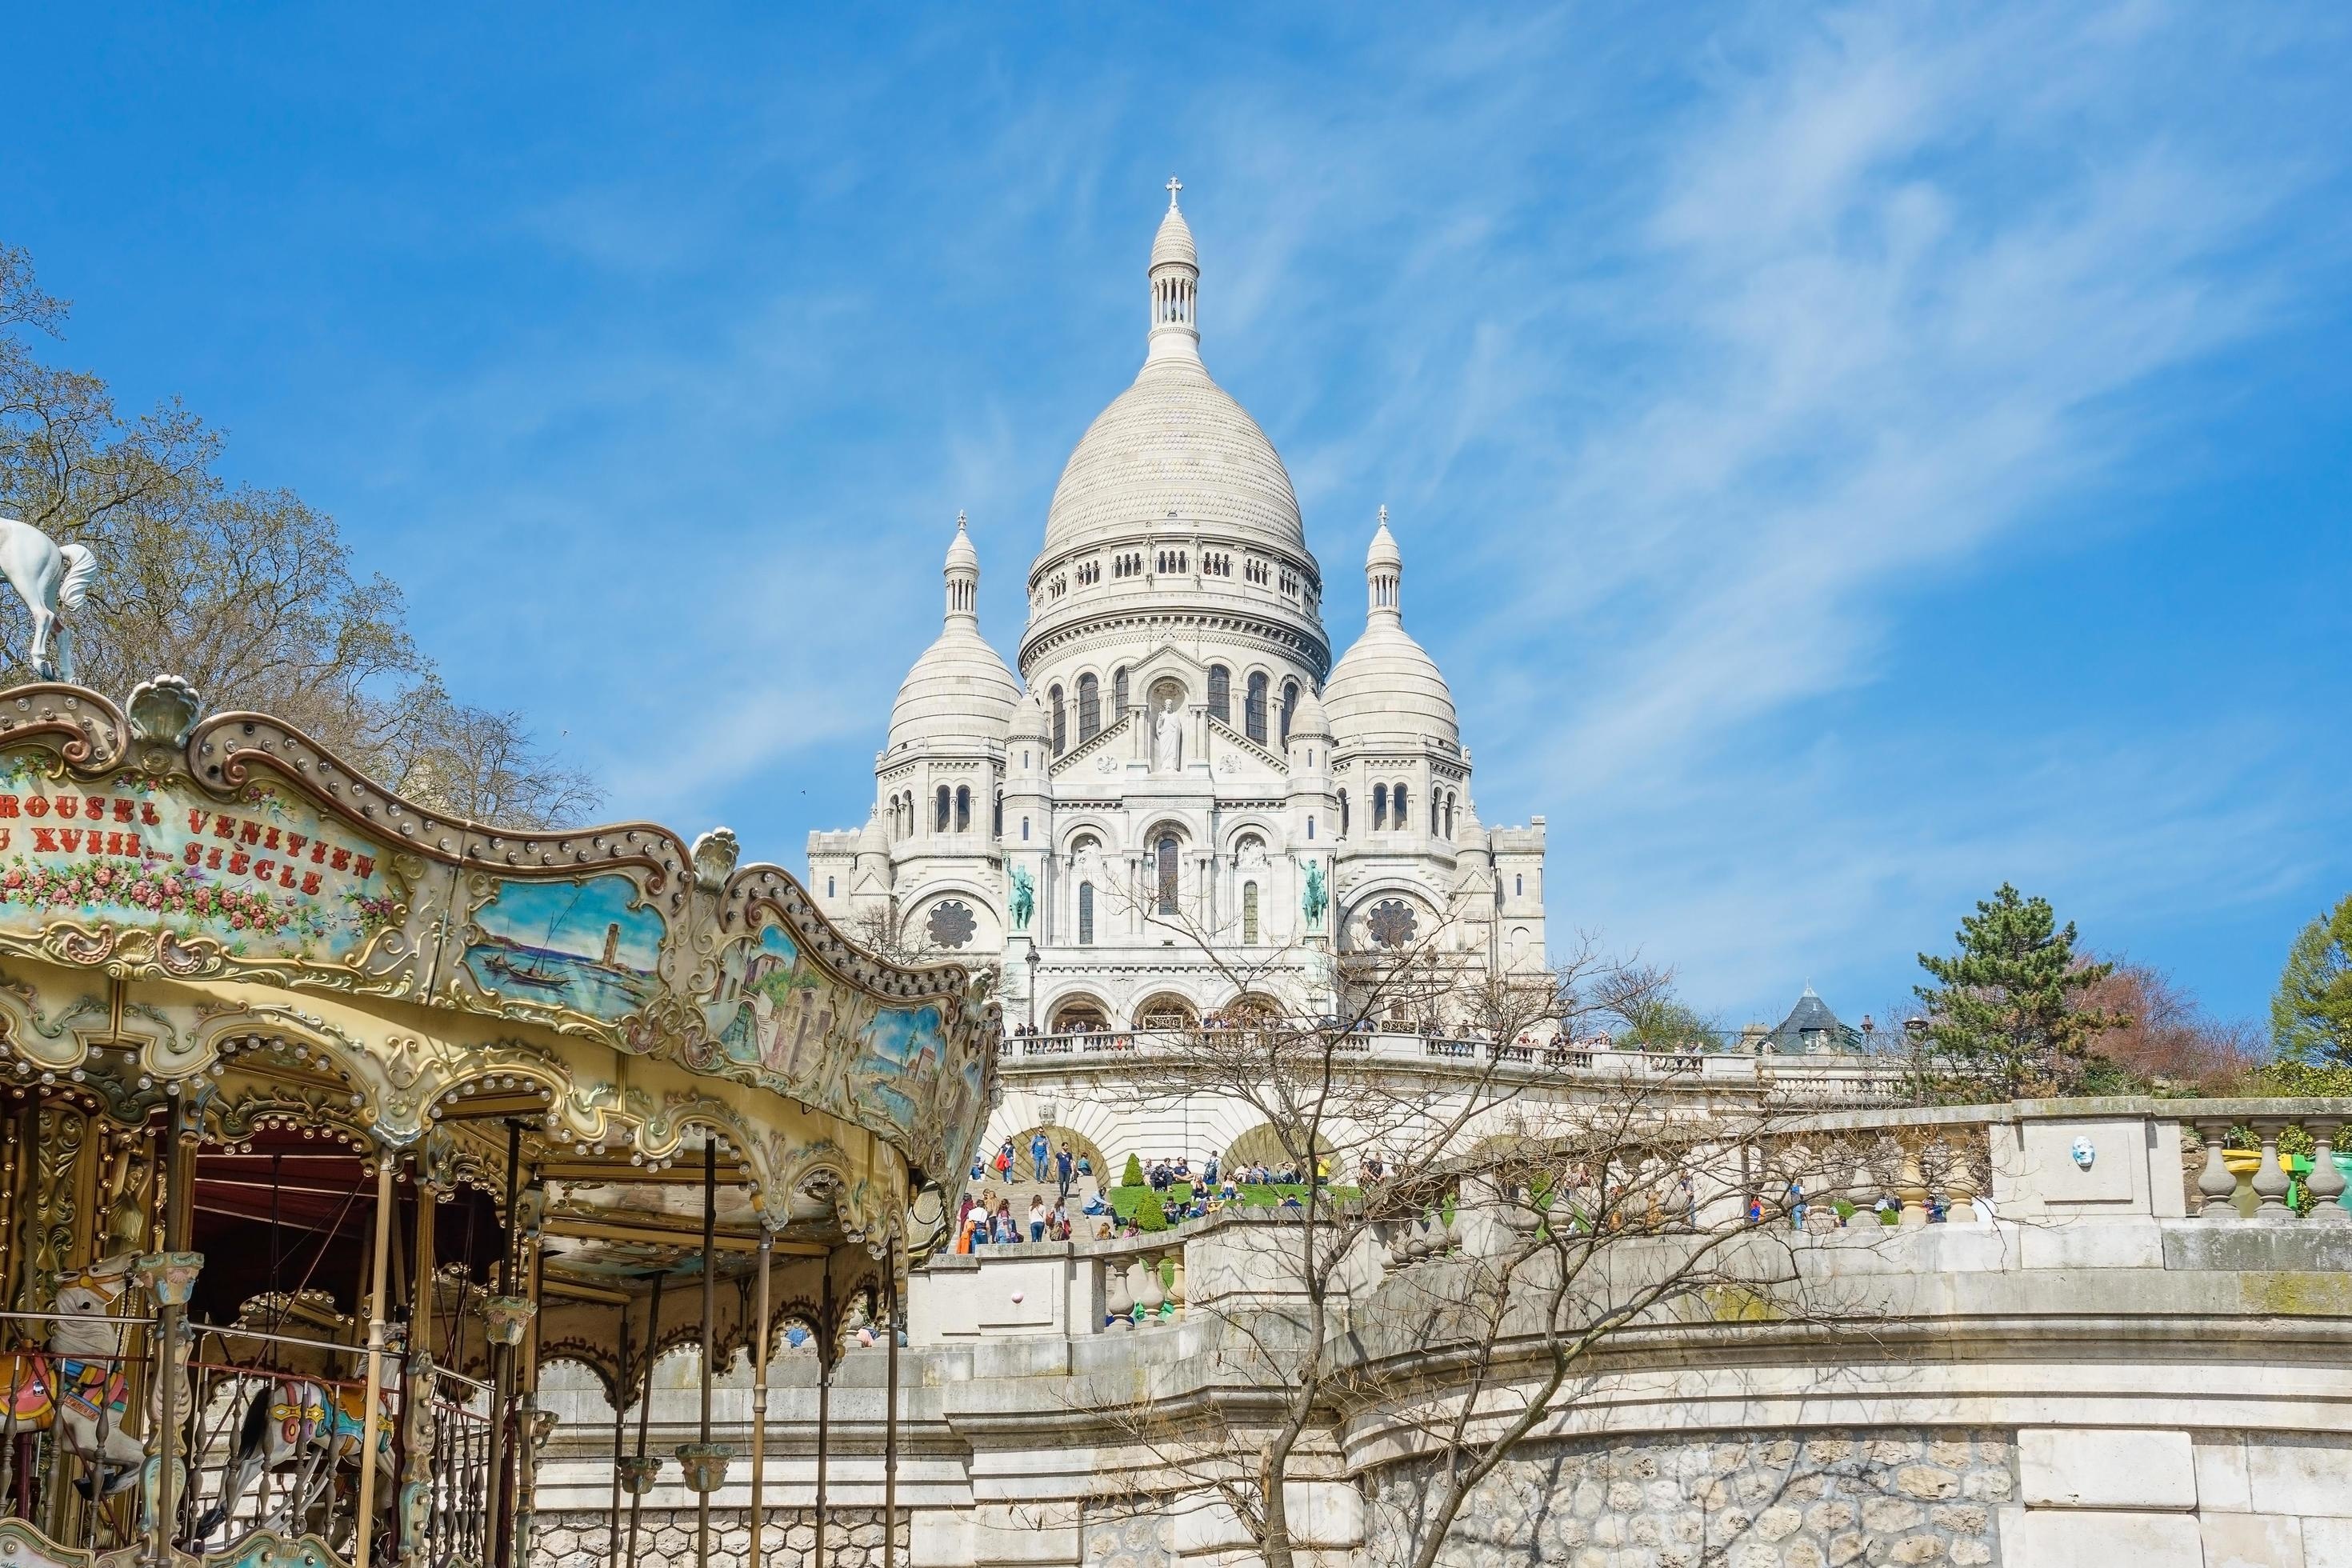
1254 703
1091 718
1391 808
950 812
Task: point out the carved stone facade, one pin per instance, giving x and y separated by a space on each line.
1180 787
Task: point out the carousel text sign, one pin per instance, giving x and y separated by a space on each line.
265 874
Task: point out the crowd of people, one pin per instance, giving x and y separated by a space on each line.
1080 1205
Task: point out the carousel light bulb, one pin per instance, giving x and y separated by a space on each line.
76 1075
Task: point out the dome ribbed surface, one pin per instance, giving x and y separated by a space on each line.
1174 241
1387 687
1174 442
958 690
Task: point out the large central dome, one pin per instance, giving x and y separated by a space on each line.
1174 444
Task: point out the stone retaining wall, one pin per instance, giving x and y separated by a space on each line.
1774 1499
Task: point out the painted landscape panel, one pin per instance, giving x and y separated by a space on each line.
267 875
588 945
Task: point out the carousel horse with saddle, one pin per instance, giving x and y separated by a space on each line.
316 1425
76 1385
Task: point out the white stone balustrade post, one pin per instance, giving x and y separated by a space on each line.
1116 1299
2326 1184
2215 1184
2272 1182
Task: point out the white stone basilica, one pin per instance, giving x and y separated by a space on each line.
1188 789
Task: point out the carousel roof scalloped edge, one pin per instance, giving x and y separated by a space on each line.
162 733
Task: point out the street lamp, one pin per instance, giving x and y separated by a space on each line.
1032 960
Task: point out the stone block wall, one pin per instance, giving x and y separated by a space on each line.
665 1539
1769 1499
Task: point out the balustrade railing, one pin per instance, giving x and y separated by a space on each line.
2260 1183
1845 1077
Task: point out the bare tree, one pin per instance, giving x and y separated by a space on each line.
1519 1225
2164 1035
247 592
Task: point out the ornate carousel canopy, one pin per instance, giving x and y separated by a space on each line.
262 1015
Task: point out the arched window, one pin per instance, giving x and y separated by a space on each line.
1437 813
963 808
828 887
1167 869
1253 715
1249 913
942 814
1061 720
1119 694
1221 694
1397 812
1379 806
1025 830
1289 701
1450 798
1085 914
1343 814
1089 708
996 816
1519 886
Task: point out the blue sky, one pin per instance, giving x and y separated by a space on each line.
1842 458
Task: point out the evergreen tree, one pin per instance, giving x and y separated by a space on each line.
2311 1017
2007 1017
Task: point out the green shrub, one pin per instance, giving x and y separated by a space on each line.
1149 1216
1133 1175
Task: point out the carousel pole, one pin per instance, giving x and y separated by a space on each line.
528 1434
171 1277
760 1398
823 1406
418 1427
890 1408
502 1355
641 1478
702 1483
620 1430
363 1548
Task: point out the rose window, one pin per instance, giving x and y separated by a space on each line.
1390 922
951 924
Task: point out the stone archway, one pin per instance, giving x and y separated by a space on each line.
1263 1145
1166 1010
1079 1012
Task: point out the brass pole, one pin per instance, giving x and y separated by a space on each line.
645 1406
363 1548
175 1174
709 1317
620 1431
823 1406
526 1512
760 1399
419 1427
502 1356
890 1410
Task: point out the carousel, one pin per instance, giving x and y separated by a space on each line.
328 1122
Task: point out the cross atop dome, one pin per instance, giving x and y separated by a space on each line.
1175 285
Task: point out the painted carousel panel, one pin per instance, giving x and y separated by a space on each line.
264 875
590 946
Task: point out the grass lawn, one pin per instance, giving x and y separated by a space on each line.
1126 1201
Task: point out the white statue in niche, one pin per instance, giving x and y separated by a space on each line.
1167 740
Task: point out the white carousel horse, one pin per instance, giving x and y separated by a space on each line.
316 1425
51 578
76 1385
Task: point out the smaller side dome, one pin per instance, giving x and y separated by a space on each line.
960 689
871 838
1029 722
1308 719
1387 687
